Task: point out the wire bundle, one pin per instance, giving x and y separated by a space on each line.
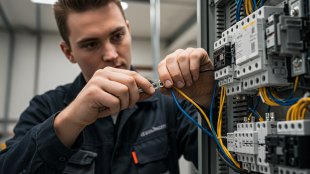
223 150
271 98
250 7
298 110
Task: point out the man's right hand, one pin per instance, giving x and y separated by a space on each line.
115 89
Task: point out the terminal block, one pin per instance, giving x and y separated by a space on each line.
288 150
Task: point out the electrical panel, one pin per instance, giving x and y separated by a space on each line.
264 56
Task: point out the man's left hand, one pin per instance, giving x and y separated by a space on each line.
181 69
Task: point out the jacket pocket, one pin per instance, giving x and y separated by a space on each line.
81 163
152 155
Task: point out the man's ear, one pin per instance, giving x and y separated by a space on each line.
127 23
67 51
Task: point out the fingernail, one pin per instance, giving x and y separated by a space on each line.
168 83
188 83
152 90
194 78
180 84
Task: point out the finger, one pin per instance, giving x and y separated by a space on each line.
119 90
140 80
109 101
198 58
144 96
174 70
128 81
183 61
164 74
165 91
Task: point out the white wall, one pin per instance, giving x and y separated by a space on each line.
55 69
23 74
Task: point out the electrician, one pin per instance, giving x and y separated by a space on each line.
62 131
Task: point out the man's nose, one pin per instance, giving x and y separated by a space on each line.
109 53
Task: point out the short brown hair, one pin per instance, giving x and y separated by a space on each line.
63 7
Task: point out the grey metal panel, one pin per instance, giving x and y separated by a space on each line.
38 49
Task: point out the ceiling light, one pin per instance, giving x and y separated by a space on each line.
44 1
124 5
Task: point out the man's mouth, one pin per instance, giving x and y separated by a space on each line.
118 66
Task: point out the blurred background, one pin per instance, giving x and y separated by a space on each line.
32 63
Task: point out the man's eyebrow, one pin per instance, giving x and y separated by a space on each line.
117 30
86 40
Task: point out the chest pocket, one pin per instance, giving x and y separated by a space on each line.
152 155
83 162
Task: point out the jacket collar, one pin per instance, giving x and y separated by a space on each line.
79 83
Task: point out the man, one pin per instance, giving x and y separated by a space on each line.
63 132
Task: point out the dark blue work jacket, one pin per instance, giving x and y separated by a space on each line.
155 129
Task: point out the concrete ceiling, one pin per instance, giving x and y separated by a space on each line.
174 15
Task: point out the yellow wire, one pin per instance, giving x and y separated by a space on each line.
222 100
246 7
223 94
185 96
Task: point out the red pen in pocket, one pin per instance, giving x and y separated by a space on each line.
134 157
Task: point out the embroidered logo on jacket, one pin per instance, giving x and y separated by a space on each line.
154 129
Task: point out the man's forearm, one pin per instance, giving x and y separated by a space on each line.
67 131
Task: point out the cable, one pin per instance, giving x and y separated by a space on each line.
212 128
197 106
259 118
190 116
206 70
232 166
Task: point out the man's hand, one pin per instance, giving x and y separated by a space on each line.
181 69
115 89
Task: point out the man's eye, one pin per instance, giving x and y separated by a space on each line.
118 36
91 45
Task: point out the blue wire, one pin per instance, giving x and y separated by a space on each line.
292 93
268 110
257 101
237 11
255 4
189 116
254 112
262 3
288 102
213 127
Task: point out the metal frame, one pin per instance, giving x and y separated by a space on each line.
155 30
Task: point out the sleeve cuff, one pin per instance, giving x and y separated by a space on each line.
51 149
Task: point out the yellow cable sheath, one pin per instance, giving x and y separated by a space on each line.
296 83
246 7
219 128
288 114
185 96
250 5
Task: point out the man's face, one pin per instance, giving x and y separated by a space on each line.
99 38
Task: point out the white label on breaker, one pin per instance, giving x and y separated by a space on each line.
246 43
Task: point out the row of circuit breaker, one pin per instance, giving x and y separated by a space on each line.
258 51
272 147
